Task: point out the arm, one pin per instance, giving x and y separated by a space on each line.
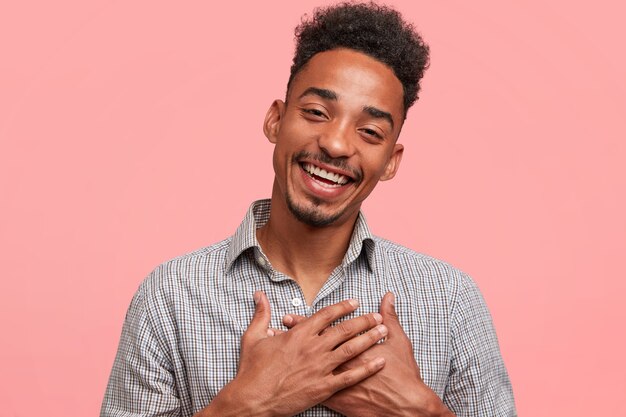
479 384
140 383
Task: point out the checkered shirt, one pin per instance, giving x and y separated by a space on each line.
180 340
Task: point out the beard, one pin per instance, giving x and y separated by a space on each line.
312 216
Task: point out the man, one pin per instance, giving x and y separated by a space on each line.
370 328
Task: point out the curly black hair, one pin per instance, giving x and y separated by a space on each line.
375 30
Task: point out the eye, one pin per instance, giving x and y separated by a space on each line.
372 133
314 113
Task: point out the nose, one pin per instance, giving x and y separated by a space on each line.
337 141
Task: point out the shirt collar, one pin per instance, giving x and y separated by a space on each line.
259 213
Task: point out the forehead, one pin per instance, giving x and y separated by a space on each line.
356 78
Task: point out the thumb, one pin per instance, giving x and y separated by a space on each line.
258 328
388 311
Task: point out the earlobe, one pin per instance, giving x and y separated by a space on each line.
394 163
273 118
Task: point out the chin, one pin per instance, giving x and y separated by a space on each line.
312 216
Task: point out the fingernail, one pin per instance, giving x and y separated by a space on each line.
354 303
287 319
257 297
378 318
382 329
379 362
270 332
392 299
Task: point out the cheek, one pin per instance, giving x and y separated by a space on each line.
295 131
375 165
275 161
279 160
282 159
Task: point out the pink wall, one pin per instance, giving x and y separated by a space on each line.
130 132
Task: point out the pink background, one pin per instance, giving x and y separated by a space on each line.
130 132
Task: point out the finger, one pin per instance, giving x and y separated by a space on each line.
357 345
388 311
323 318
291 320
261 319
392 320
354 376
272 331
349 328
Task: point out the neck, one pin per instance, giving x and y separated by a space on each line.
308 254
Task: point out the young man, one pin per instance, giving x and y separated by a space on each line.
370 328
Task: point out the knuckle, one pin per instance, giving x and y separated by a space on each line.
374 335
345 328
371 320
347 379
347 350
370 368
349 305
326 314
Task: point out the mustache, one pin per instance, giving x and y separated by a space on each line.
339 163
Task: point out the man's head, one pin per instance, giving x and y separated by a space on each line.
356 72
375 30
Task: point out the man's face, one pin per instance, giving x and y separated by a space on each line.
336 135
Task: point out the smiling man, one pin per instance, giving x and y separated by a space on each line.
303 310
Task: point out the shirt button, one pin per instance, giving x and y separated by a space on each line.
261 261
296 302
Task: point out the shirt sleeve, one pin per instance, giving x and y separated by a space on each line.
141 382
478 385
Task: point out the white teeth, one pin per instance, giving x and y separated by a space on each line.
336 178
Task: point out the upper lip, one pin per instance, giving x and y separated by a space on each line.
329 168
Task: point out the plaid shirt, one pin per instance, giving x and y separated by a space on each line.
180 341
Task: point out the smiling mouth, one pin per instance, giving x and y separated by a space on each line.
324 177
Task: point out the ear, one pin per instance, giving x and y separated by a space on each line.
273 118
394 162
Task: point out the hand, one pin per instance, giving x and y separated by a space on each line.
398 389
287 373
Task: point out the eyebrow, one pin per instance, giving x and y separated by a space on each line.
379 114
321 92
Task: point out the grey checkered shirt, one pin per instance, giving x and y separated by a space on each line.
180 341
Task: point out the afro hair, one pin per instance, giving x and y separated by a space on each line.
375 30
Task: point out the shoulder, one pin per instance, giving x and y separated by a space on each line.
185 276
427 279
409 263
